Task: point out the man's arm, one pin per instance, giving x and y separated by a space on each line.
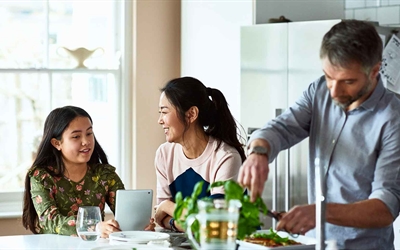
259 142
372 213
254 171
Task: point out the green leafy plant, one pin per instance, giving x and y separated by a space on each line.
189 206
249 220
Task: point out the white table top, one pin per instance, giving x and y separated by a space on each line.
62 242
48 241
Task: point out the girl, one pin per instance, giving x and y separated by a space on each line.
70 170
202 144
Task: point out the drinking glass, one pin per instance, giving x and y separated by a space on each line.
218 220
86 221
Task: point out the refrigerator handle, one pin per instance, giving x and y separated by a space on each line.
275 179
287 182
275 190
320 192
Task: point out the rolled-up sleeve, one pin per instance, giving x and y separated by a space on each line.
386 184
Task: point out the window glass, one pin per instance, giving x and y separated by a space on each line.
22 32
38 74
26 100
20 125
97 94
78 24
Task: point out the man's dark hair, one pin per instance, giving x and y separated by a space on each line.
352 41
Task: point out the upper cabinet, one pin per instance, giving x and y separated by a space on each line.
305 10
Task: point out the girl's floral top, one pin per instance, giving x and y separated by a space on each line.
57 199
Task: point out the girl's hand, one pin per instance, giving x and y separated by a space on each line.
105 228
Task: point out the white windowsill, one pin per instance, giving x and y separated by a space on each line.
10 210
50 70
11 204
10 215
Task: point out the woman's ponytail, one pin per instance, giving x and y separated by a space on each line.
222 125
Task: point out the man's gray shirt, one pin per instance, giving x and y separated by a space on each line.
359 151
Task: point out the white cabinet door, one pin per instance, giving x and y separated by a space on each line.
263 90
263 73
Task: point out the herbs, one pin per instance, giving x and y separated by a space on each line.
189 204
271 236
249 220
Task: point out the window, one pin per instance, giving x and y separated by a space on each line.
40 49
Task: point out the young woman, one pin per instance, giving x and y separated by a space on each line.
70 170
202 144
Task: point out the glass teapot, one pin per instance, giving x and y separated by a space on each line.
218 220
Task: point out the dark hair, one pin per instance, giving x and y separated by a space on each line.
352 41
214 114
47 155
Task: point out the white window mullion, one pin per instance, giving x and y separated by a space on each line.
125 90
47 29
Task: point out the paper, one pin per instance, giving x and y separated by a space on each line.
391 64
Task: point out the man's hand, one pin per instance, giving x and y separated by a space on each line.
253 174
371 213
299 219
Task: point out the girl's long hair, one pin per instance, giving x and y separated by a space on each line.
47 155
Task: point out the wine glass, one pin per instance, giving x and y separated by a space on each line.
86 221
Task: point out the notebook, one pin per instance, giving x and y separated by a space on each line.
133 208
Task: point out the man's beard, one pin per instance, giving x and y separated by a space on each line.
350 99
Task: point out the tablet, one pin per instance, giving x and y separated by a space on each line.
133 208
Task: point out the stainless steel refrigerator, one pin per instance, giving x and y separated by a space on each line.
278 62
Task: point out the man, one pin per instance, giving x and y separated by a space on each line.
353 125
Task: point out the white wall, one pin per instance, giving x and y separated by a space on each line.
299 10
156 59
210 44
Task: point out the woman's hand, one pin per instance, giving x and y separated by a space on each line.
151 226
162 210
105 228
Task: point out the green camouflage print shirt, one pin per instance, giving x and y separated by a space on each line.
57 199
